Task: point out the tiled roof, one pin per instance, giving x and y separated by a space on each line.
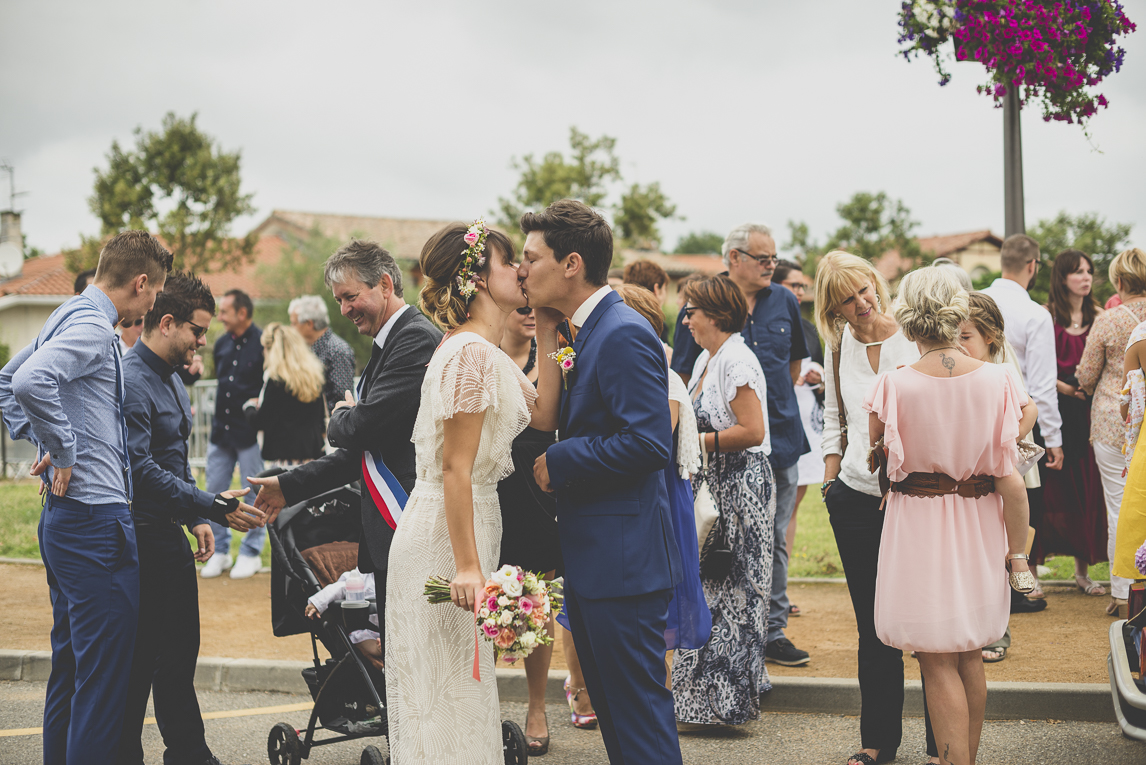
943 246
403 237
678 265
45 275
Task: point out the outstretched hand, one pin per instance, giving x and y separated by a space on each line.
270 498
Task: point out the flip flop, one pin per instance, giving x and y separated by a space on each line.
1002 655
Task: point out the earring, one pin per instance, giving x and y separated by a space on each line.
879 302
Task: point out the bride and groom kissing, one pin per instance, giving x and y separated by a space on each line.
608 401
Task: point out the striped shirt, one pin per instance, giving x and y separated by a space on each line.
64 398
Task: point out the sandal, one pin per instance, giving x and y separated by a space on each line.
1000 650
537 745
1113 606
863 758
794 610
1089 586
585 722
1021 581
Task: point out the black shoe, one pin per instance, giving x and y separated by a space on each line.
1025 605
212 760
781 651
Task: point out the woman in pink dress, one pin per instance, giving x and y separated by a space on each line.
941 584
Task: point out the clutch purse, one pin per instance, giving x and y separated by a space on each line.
704 506
1029 455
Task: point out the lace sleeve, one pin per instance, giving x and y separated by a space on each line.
688 448
468 382
740 372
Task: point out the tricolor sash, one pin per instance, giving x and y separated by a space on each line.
389 496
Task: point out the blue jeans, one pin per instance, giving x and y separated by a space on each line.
787 482
220 469
92 566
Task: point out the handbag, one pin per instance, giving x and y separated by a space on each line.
715 554
1029 455
841 412
704 506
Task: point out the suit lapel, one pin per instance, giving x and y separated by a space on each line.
579 344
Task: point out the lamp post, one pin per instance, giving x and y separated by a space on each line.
1014 221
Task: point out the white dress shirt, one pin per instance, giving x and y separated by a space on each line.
581 315
1030 331
380 338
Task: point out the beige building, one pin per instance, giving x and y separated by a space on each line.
977 252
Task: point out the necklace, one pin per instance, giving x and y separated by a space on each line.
944 348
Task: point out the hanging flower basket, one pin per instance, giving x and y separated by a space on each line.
1051 52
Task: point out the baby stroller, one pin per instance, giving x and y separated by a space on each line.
312 544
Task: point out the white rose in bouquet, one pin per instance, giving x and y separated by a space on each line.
528 640
506 618
512 588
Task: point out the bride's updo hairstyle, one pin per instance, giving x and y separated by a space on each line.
441 261
932 305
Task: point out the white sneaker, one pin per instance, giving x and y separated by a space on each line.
246 567
216 564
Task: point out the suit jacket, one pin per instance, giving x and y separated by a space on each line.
381 422
616 437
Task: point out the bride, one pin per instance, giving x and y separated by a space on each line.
474 403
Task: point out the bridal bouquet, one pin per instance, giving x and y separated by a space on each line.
518 606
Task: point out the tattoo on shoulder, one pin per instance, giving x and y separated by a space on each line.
948 363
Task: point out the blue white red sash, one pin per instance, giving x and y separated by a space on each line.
389 496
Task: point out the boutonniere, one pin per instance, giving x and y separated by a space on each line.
564 358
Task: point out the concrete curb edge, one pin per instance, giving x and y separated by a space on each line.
1088 702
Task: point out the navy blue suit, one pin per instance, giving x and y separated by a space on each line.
621 559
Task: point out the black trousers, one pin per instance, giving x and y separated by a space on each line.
166 649
858 525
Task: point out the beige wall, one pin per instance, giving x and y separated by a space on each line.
979 258
19 325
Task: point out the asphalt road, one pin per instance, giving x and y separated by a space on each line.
775 738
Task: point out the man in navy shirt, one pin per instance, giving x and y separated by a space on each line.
239 372
158 414
775 334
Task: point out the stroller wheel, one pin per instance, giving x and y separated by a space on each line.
372 755
513 744
283 747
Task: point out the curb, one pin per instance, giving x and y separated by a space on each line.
1086 702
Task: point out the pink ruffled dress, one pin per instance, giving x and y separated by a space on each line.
941 586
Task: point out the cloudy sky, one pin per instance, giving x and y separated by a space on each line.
742 110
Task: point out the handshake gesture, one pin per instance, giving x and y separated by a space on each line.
239 515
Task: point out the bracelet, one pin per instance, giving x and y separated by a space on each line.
824 486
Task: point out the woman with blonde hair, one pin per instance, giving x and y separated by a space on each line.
289 410
1100 374
862 340
955 494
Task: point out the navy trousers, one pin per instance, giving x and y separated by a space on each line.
621 645
92 566
166 649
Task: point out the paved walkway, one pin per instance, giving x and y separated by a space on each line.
791 739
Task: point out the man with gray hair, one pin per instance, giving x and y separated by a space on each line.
373 434
775 333
308 315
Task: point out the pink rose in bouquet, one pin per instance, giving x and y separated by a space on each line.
506 638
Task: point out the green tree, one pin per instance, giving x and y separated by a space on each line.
699 242
635 216
179 184
872 224
1088 232
585 176
300 272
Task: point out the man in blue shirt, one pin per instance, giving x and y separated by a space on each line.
64 393
158 413
239 375
775 333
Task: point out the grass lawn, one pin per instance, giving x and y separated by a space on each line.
814 554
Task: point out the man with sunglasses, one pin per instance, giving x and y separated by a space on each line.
158 414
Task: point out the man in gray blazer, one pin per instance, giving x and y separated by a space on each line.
367 284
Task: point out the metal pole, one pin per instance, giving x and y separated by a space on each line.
1014 220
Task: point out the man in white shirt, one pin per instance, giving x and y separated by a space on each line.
1030 330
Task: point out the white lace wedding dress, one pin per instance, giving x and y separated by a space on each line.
438 713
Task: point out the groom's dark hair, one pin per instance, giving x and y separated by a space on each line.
571 226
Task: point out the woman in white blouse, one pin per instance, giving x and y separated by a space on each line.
853 314
721 682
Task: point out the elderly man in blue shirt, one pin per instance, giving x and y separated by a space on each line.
64 393
775 333
239 375
158 413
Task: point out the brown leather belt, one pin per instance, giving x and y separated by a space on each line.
939 484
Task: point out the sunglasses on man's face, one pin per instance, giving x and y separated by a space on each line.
196 329
524 310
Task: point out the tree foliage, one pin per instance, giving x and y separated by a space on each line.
589 174
1088 232
178 184
872 224
700 242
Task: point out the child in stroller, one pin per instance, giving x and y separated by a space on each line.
314 548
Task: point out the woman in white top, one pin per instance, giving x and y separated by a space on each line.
853 316
721 682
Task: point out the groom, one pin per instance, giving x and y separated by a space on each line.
621 561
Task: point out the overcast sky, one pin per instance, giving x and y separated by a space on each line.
743 111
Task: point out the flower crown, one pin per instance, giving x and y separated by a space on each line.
473 259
